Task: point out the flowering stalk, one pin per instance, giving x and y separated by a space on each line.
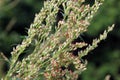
52 57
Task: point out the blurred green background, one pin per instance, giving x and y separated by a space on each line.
17 15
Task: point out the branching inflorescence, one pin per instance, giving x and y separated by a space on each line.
52 56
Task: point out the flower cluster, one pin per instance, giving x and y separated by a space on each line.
52 57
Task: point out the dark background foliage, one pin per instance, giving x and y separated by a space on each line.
17 15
